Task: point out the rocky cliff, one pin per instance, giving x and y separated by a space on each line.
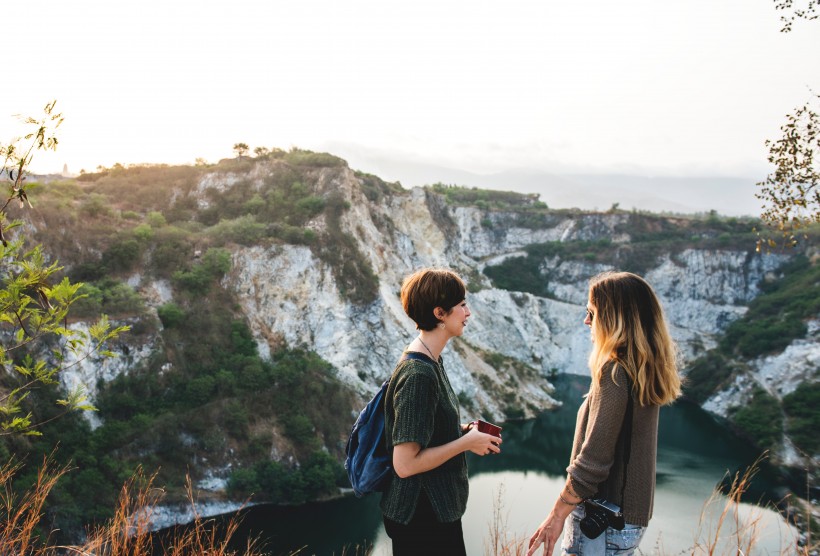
291 294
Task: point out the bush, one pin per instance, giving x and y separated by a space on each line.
308 207
271 481
707 374
122 255
143 233
215 263
487 198
299 157
95 205
518 274
760 420
199 390
156 219
108 296
777 316
243 482
244 230
171 315
173 248
802 409
375 188
236 419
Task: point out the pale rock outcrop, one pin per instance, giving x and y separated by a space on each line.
778 374
290 298
84 371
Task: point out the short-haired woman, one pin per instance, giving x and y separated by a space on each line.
633 356
423 505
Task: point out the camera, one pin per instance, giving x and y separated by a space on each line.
600 514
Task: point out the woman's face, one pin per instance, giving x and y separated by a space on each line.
456 319
590 316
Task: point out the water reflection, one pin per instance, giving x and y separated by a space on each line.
694 454
341 526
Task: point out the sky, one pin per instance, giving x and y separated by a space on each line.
639 87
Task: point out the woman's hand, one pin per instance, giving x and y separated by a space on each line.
481 443
410 459
547 534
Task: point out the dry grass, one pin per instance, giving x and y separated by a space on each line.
724 527
500 541
723 530
729 533
128 533
22 514
735 532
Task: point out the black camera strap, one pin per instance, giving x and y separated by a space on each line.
626 432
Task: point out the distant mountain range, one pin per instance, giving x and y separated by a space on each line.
731 196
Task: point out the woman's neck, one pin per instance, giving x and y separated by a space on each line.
432 342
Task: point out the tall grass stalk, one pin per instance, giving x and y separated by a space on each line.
500 542
735 532
22 514
127 533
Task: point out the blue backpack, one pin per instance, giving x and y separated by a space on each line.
367 461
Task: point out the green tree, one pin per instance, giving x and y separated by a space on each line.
241 149
37 345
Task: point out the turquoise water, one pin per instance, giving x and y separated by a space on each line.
521 484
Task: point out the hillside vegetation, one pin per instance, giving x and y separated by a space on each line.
207 398
207 393
775 319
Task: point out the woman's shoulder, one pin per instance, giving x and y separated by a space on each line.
614 376
409 367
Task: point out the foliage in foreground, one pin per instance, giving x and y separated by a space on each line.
24 531
37 343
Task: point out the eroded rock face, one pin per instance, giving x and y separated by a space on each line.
290 297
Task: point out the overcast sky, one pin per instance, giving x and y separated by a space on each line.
670 87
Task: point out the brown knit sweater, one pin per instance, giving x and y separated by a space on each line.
596 464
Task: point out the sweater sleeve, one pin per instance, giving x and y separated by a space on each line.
607 406
414 406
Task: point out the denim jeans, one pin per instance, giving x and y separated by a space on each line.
609 543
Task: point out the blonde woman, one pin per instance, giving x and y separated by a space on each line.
633 364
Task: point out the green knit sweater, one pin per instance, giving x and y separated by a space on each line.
420 406
596 466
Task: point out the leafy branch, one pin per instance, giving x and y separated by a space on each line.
792 12
790 194
33 312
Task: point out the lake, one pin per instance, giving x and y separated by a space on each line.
520 485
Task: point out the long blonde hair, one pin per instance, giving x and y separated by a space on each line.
629 329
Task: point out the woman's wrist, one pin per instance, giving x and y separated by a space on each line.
567 499
571 491
561 510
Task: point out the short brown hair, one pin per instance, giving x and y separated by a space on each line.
428 288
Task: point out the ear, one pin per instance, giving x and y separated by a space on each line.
439 313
